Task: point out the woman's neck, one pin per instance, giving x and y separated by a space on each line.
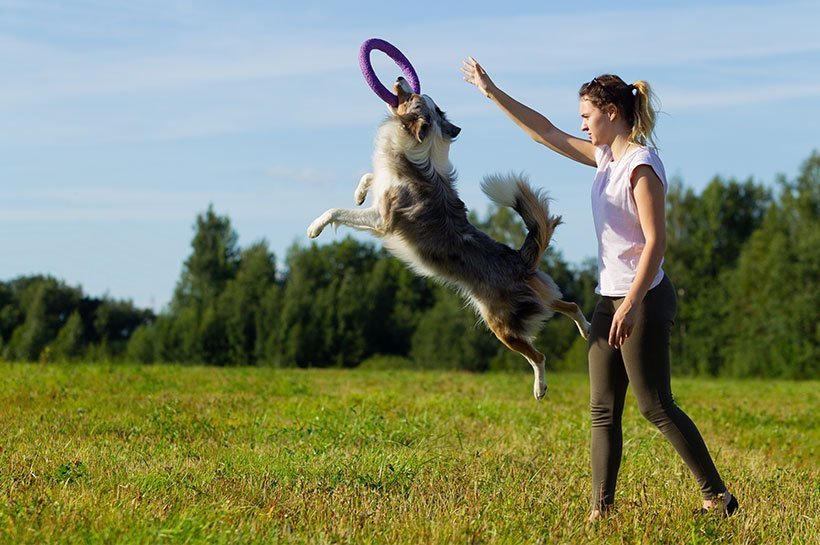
619 146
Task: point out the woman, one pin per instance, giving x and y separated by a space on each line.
631 324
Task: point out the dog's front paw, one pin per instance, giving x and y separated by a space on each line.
315 229
361 190
539 390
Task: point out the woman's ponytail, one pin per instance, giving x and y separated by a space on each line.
643 127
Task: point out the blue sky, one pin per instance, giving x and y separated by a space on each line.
123 120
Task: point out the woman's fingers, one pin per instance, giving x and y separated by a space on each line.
470 75
619 332
472 66
468 69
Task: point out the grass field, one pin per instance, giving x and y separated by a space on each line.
171 454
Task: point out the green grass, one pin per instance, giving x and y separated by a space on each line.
167 454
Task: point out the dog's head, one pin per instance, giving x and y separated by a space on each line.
419 115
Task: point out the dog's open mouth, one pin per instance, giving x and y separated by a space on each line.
402 89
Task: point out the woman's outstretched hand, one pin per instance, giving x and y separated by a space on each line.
475 74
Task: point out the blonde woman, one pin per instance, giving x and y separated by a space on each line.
632 321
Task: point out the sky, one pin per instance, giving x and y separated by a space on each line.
121 121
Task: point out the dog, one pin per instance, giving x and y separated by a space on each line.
422 221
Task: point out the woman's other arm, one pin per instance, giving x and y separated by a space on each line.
650 200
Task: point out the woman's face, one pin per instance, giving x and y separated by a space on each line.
597 123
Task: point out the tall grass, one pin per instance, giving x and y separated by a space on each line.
170 454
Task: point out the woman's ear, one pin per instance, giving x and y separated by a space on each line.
611 112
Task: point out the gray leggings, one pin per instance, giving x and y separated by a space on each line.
643 361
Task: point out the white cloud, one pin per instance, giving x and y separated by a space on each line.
223 71
209 51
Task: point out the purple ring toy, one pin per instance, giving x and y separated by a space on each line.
370 76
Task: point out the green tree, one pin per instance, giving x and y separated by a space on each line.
450 336
397 299
213 262
10 315
772 320
114 323
196 329
39 312
172 338
211 338
141 346
266 348
46 304
348 342
29 339
69 344
242 302
299 329
705 234
324 304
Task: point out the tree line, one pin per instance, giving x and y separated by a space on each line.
744 259
43 319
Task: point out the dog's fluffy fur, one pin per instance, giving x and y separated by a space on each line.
422 221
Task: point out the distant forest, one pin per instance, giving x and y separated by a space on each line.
745 260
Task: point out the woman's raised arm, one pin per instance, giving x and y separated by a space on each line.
534 124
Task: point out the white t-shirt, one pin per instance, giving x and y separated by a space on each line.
617 226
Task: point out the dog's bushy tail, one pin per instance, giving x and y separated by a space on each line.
532 205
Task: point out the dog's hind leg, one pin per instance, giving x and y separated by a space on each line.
537 361
368 219
363 188
573 311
